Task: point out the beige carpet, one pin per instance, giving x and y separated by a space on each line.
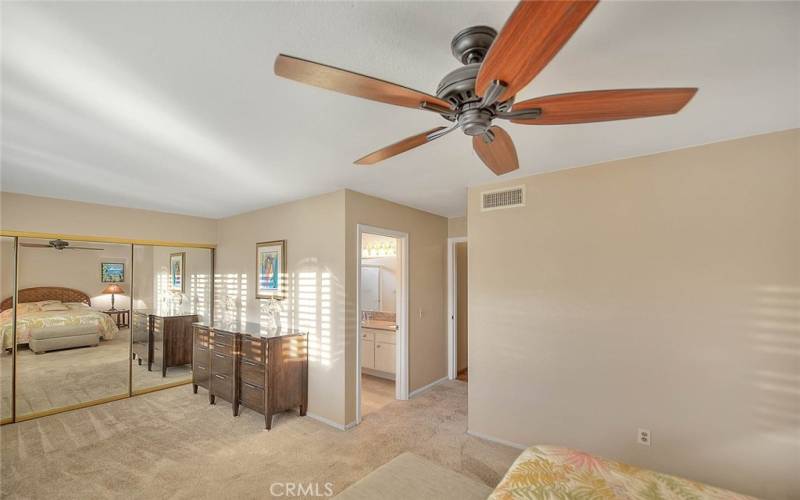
409 477
57 379
173 444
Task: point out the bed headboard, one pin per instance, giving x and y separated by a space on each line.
38 293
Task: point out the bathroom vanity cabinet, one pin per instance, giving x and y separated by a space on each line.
378 350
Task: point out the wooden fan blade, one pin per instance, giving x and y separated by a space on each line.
354 84
82 248
397 148
531 37
605 105
34 245
500 155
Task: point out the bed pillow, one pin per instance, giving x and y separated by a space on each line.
28 307
57 306
77 305
45 302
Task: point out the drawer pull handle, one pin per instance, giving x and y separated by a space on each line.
248 362
251 386
219 355
219 376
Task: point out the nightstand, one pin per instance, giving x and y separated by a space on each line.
123 316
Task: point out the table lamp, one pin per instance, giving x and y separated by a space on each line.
112 289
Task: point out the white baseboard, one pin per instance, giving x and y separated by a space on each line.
330 422
425 388
496 440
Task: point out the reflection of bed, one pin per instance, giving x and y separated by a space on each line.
78 326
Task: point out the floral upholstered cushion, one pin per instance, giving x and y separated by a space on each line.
555 473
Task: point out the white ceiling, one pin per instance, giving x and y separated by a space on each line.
174 106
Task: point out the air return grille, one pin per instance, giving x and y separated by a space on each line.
503 198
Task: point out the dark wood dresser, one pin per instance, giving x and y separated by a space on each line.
163 337
245 365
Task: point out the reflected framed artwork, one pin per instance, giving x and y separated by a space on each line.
177 269
112 272
271 270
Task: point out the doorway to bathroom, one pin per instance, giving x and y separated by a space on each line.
382 309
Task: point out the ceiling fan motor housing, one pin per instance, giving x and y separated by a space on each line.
470 46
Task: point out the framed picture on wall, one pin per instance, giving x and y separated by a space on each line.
271 270
177 270
112 272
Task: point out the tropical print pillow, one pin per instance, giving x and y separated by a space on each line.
555 473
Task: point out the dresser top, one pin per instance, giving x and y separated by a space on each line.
166 311
249 329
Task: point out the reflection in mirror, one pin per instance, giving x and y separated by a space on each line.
72 345
6 324
379 271
171 290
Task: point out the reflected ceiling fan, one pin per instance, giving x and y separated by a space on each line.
58 245
495 68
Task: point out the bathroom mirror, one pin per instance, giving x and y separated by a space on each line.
370 288
378 288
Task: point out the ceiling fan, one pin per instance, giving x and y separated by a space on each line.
58 245
495 68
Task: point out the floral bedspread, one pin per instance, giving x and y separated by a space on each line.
555 473
28 321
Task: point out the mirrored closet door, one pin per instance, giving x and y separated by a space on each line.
7 277
72 324
172 289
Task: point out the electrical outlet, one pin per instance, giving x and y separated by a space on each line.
644 437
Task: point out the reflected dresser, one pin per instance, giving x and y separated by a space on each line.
162 337
245 365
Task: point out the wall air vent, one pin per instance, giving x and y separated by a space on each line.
503 198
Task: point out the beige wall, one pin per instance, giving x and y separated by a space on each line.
659 292
427 290
197 289
457 227
20 212
314 230
78 269
6 267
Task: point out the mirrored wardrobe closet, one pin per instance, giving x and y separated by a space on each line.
86 322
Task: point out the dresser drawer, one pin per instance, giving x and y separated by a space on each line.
201 336
221 364
252 396
252 373
200 353
222 343
222 386
200 374
254 349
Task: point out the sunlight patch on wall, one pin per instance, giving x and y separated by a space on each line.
776 342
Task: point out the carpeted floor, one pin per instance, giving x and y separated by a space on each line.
173 444
56 379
